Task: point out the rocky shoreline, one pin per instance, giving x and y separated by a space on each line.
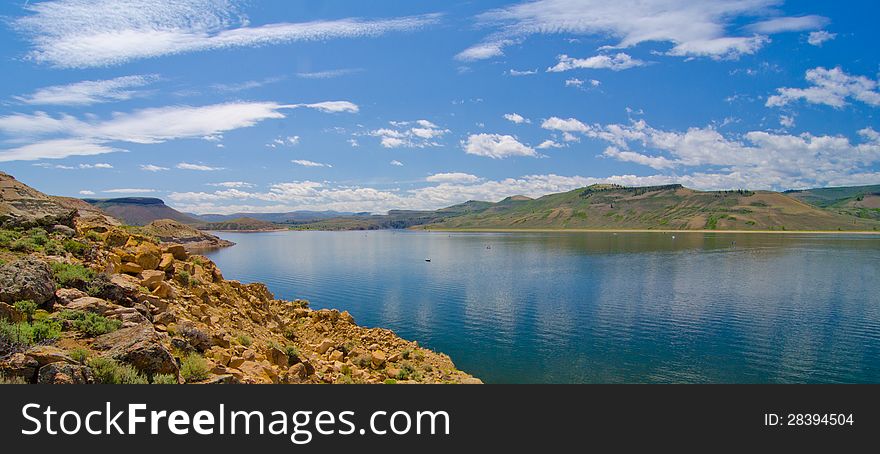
90 302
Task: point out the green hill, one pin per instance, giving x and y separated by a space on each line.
672 207
859 201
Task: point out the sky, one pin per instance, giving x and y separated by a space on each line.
226 106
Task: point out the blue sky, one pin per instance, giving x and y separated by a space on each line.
222 106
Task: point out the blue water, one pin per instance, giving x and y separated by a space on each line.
596 307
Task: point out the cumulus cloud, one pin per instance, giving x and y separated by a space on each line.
618 62
693 29
289 141
396 163
89 92
820 37
74 136
564 125
496 146
831 87
90 33
547 144
758 160
197 167
306 163
516 118
452 177
86 192
410 134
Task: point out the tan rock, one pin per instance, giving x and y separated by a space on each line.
324 346
235 362
336 355
377 358
65 296
10 313
148 260
47 354
149 278
176 250
166 263
91 304
163 290
278 357
131 268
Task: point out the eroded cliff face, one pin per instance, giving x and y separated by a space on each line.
108 305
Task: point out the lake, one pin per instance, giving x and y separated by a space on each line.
595 307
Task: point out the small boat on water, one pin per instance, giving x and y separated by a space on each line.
427 260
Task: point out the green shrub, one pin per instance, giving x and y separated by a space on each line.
193 368
7 237
75 247
53 247
79 355
25 334
245 340
164 379
24 245
27 307
292 351
38 236
110 372
390 381
89 323
184 278
93 235
72 275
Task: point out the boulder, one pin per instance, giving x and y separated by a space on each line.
116 238
139 346
26 279
131 268
47 354
147 259
65 296
336 355
18 365
377 358
92 304
176 250
149 278
64 230
278 357
163 290
325 345
61 373
166 263
10 313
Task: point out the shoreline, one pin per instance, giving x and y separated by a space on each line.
778 232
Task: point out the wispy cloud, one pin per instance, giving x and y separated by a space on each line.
129 191
694 29
452 177
90 91
152 168
89 33
247 85
306 163
329 74
198 167
410 134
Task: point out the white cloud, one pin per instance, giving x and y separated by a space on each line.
55 149
787 121
86 192
152 168
757 160
453 177
100 165
353 142
233 184
832 87
129 191
146 126
247 85
90 33
496 146
564 125
329 74
331 106
788 24
396 163
289 141
574 82
820 37
516 118
198 167
528 72
618 62
89 92
305 163
410 134
547 144
692 28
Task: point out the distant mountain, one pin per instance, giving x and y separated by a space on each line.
859 201
292 217
671 207
141 211
240 224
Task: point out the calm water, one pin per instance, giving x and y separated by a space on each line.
597 307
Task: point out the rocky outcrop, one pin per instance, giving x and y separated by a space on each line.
26 279
139 346
25 207
174 232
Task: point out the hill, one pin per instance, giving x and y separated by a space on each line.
292 217
238 224
672 207
170 231
139 211
859 201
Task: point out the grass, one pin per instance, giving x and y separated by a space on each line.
28 308
89 323
244 339
72 275
75 247
164 379
79 355
27 334
194 368
184 279
110 372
